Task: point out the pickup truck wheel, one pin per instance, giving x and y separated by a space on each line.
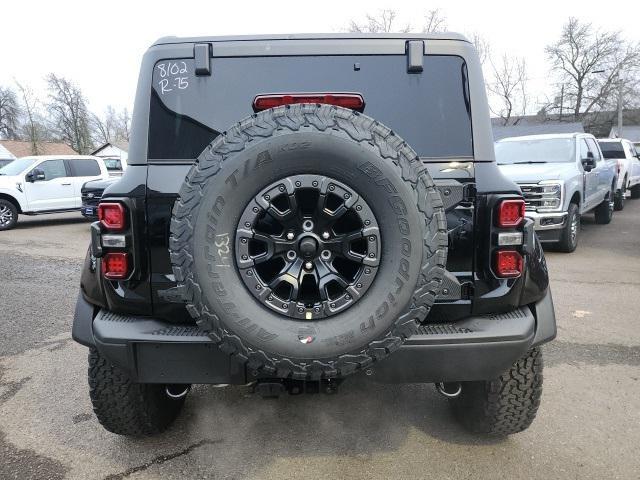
8 215
604 212
308 241
618 203
569 239
505 405
635 191
128 408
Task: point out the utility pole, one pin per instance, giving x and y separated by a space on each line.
561 100
619 106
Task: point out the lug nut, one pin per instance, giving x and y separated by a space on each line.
290 236
325 235
325 255
308 265
307 225
291 255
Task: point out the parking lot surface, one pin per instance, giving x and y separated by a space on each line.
588 425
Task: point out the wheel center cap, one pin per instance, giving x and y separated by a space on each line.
308 247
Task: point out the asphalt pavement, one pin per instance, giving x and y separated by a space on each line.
588 425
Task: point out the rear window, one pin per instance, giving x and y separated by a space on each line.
84 168
430 110
612 149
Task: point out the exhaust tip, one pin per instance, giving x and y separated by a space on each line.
177 391
449 389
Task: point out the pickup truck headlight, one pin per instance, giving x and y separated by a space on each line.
550 196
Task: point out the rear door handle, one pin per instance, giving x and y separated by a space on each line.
66 184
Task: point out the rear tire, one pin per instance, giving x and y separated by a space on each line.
8 215
618 203
604 211
569 239
505 405
635 191
125 407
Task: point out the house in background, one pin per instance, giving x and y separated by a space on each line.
6 157
115 155
630 132
18 148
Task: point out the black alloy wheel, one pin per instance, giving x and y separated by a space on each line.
308 246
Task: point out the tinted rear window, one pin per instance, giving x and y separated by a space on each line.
612 149
84 168
431 110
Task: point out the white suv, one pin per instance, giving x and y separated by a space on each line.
45 184
628 167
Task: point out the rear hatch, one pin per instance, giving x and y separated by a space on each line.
430 109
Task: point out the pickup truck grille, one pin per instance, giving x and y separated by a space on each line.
91 198
535 196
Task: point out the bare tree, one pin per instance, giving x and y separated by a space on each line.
124 125
383 22
509 87
112 127
32 127
69 114
435 22
104 128
590 65
482 47
9 113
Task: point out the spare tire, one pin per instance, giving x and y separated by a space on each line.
308 241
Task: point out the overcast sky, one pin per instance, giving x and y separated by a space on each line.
99 45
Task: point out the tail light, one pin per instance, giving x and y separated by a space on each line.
115 265
353 101
112 215
508 263
510 212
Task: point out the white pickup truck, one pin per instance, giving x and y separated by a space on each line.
624 152
45 184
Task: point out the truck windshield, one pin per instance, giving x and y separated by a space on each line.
17 166
430 110
548 150
612 149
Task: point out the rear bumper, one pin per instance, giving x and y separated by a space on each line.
477 348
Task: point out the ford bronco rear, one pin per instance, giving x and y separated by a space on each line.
299 209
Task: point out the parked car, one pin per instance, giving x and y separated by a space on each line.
45 184
116 166
91 193
562 176
309 241
628 161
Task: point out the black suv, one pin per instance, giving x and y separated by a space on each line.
302 208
